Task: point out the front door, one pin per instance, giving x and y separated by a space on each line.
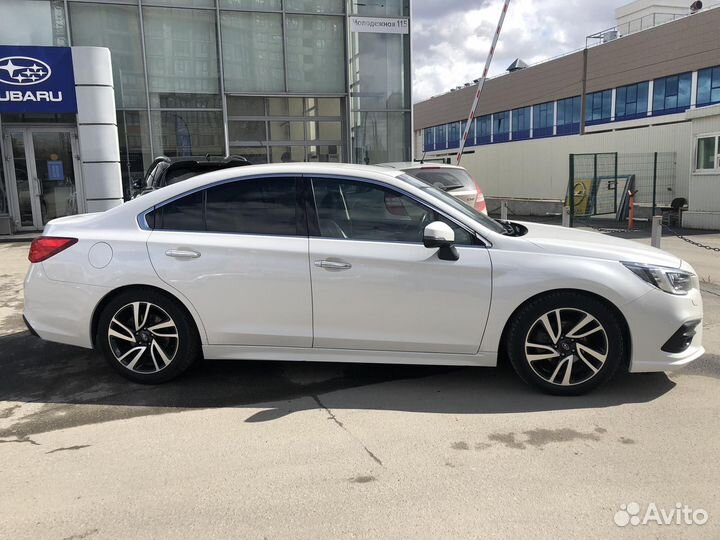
375 286
42 168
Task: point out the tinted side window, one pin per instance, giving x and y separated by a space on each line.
183 214
265 206
362 211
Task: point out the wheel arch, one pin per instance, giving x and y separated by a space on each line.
105 300
502 351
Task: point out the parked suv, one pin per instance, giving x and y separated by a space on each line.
454 180
164 171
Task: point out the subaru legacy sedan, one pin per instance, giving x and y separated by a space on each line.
350 263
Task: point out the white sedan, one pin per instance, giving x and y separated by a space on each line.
351 263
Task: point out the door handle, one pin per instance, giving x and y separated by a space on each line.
182 253
333 265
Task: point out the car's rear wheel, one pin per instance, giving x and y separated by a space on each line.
566 343
147 337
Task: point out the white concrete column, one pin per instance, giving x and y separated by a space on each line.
612 104
651 92
693 90
532 120
555 106
97 128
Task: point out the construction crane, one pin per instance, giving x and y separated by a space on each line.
481 82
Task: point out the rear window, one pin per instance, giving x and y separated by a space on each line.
445 179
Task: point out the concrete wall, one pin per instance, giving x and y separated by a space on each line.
704 211
538 169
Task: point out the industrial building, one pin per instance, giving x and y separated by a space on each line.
271 80
651 84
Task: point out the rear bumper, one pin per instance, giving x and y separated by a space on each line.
59 311
653 319
29 327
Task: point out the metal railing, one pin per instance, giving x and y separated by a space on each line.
631 27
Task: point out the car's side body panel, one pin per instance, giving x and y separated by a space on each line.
399 297
248 289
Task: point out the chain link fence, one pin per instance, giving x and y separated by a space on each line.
599 183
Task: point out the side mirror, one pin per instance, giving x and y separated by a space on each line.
439 235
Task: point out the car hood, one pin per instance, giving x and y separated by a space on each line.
578 243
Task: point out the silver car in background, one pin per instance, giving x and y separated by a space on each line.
452 179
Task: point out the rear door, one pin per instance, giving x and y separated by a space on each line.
375 286
238 251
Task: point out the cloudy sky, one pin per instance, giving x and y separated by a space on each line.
451 38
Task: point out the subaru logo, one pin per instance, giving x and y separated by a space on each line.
23 70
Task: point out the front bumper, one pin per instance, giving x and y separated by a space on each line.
653 319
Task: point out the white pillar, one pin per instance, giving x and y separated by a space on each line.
97 128
693 90
651 91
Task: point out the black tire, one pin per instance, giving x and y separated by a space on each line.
149 368
565 311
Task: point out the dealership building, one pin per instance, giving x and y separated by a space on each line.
649 85
92 90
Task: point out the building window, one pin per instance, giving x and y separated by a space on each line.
631 101
429 139
708 153
598 107
521 123
441 137
543 119
568 116
282 129
182 63
672 94
187 133
501 126
315 53
454 135
483 129
118 29
708 90
29 22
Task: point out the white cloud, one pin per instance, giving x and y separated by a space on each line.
451 38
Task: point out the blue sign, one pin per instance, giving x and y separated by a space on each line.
37 79
56 170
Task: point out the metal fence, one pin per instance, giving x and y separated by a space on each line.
599 184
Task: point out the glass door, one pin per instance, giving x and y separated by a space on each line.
44 171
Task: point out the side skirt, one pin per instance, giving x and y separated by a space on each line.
291 354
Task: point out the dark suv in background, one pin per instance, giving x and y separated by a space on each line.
164 171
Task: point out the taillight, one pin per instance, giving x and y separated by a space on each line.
44 247
480 205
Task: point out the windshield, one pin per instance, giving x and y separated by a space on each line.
457 204
441 178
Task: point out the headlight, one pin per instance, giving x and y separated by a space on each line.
670 280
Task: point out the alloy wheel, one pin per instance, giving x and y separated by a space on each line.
143 337
566 346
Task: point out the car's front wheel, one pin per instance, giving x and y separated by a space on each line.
147 337
566 343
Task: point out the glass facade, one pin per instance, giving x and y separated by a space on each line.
672 94
273 80
708 89
598 107
631 101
